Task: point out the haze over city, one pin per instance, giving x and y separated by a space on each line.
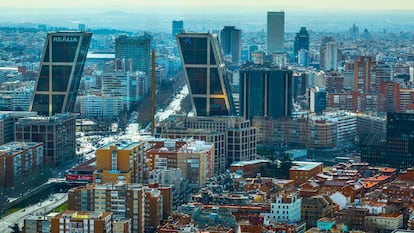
318 15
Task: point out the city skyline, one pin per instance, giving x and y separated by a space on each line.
185 4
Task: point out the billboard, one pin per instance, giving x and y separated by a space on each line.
80 178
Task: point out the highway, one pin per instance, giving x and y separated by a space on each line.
38 209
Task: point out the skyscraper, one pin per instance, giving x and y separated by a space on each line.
301 41
138 49
364 75
61 67
275 31
317 100
265 91
205 73
230 41
331 56
177 27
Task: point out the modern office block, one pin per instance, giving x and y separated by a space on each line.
206 74
138 49
177 27
397 150
275 31
317 100
265 91
58 133
61 67
301 41
230 40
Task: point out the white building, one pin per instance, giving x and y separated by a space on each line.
286 208
331 56
104 107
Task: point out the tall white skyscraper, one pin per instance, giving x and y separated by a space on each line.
331 56
275 32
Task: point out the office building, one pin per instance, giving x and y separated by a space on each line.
334 82
61 68
406 100
18 161
81 221
265 91
317 100
323 51
275 32
303 57
301 171
117 85
7 121
398 149
389 97
331 56
301 41
138 49
234 139
230 41
240 136
206 74
177 27
120 161
58 133
364 76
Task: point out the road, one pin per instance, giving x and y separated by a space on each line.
39 209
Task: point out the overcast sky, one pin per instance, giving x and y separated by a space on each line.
270 4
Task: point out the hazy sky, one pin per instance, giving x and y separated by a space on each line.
269 4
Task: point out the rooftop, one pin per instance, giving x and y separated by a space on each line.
304 166
243 163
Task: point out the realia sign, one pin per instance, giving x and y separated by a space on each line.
66 39
87 178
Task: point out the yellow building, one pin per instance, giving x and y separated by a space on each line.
120 161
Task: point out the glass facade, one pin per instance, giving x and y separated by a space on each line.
265 91
62 64
205 72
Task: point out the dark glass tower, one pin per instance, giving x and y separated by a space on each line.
177 27
398 149
205 73
230 41
60 72
138 49
265 91
301 41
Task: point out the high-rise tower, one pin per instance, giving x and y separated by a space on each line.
275 32
177 27
205 73
61 67
301 41
230 41
138 49
265 91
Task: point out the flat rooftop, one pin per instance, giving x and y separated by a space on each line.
304 166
